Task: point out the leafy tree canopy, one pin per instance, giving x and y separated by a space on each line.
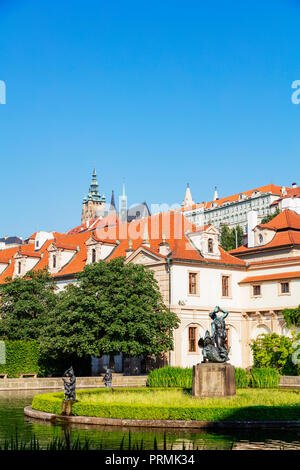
231 238
292 316
269 217
273 350
25 304
114 308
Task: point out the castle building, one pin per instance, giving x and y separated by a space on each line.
233 210
94 202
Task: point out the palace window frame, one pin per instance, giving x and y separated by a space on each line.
192 339
196 284
228 287
281 289
254 290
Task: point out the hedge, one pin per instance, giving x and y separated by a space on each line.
52 403
19 357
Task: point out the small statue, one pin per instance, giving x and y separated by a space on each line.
107 379
214 345
69 380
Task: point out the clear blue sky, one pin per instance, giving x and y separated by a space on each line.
156 93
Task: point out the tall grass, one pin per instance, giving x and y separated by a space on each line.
264 377
171 377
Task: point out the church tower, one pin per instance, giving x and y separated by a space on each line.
93 202
188 200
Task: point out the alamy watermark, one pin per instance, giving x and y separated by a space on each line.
2 92
296 95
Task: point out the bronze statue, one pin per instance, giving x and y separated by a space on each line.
214 345
107 379
69 380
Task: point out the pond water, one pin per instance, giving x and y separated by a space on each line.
12 421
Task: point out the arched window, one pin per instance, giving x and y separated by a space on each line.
93 255
210 245
19 267
54 261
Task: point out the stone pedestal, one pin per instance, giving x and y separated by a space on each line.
66 408
212 379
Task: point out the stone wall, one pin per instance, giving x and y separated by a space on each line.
56 383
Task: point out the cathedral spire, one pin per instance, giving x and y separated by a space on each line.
216 197
112 202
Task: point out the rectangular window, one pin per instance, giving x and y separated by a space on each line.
225 286
285 287
192 339
256 290
193 277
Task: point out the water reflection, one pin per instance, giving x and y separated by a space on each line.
110 437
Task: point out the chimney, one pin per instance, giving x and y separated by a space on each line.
252 223
294 185
129 249
164 247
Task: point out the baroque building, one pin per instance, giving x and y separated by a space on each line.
254 283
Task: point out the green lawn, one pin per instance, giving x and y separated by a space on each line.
248 404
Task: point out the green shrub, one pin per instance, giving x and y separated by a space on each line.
256 405
19 357
264 377
171 377
242 379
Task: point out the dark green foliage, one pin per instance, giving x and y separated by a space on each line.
269 217
242 378
292 316
231 238
25 304
21 357
114 308
276 351
171 377
264 377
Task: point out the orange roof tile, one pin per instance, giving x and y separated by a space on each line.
271 277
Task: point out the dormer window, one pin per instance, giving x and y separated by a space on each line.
210 245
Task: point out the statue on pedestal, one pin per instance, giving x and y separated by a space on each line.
107 379
214 344
69 380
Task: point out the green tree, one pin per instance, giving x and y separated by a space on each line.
231 238
269 217
25 305
114 308
273 350
292 316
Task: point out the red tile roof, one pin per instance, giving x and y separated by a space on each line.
271 277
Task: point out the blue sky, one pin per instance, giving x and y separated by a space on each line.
153 93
